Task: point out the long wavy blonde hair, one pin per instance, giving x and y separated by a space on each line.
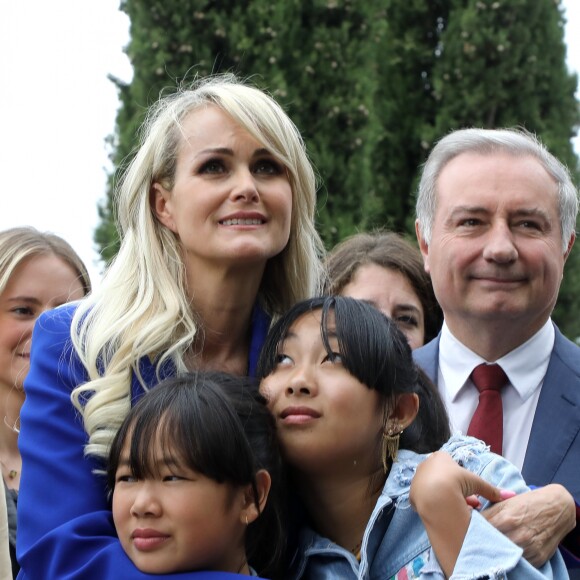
141 308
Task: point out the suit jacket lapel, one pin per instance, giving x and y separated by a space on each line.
427 357
556 421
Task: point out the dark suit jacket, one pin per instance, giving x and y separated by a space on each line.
553 453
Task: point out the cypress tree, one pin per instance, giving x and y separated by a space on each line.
371 86
503 64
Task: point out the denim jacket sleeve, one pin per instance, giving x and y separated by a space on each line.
486 552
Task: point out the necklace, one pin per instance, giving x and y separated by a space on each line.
12 473
356 550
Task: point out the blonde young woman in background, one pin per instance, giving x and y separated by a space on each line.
216 215
38 271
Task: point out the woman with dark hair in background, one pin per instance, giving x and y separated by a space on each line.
386 270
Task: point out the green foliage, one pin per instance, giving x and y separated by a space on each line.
502 64
371 85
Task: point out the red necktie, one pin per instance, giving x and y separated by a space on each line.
487 421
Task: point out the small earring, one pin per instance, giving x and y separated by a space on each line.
390 446
247 524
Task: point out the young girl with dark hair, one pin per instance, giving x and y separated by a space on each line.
195 475
387 493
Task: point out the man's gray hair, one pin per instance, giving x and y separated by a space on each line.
516 142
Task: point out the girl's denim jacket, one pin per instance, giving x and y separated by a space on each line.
395 544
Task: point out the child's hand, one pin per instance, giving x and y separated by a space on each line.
440 493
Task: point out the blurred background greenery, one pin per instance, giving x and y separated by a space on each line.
371 85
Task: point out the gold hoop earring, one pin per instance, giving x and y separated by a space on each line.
390 445
247 524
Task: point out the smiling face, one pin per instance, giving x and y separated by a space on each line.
391 292
496 250
37 284
178 519
231 203
327 420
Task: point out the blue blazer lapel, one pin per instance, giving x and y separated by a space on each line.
427 357
557 420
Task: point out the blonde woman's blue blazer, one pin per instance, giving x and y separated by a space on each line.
65 529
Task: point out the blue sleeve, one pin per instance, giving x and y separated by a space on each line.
260 326
487 550
65 529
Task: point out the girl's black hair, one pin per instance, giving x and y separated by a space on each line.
377 353
218 425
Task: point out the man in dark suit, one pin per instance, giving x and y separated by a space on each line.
496 214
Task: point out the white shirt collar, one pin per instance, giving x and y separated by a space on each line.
525 366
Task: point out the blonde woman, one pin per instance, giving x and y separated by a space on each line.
38 271
216 213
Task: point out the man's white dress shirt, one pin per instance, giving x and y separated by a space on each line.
525 368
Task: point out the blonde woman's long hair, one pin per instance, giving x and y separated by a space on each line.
141 308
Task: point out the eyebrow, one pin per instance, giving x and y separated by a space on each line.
123 462
28 299
411 307
330 332
476 209
166 460
288 335
230 152
398 307
533 212
405 306
463 209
